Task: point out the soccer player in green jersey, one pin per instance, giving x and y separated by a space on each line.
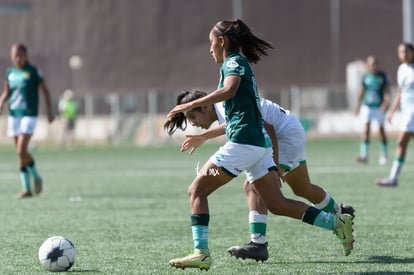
248 148
373 101
23 82
289 154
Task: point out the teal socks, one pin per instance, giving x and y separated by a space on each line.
317 217
199 227
384 149
31 167
363 148
24 177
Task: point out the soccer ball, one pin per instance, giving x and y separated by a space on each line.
57 254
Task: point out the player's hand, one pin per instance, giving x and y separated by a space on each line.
389 117
178 109
193 142
50 117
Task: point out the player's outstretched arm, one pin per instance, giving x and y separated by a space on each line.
359 100
387 98
45 90
4 96
231 84
195 141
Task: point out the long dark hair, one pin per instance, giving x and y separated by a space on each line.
408 46
179 120
242 39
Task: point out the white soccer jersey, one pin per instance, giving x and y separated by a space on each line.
271 113
290 134
405 78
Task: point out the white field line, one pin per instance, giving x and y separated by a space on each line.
191 171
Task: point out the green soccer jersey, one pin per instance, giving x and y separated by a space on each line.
374 87
24 96
244 122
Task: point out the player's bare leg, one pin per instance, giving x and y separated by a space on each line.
209 178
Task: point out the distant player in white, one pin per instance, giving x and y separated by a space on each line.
405 100
289 155
372 104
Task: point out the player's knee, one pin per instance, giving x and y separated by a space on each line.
194 192
247 187
191 191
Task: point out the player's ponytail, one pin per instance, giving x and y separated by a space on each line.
410 47
179 120
242 40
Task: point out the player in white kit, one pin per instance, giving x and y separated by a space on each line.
405 100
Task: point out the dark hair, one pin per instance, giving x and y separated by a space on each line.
410 47
407 45
179 120
20 47
242 40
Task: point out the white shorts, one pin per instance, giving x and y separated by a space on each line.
407 122
292 146
368 114
21 125
235 158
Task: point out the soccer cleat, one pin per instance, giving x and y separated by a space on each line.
343 231
24 194
195 260
347 209
252 250
38 186
362 159
382 160
387 182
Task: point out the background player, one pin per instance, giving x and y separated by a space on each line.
404 99
23 82
68 112
374 97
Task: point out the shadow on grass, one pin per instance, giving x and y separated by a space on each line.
383 273
390 260
370 260
84 271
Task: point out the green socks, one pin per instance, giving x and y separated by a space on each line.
257 227
24 177
328 204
